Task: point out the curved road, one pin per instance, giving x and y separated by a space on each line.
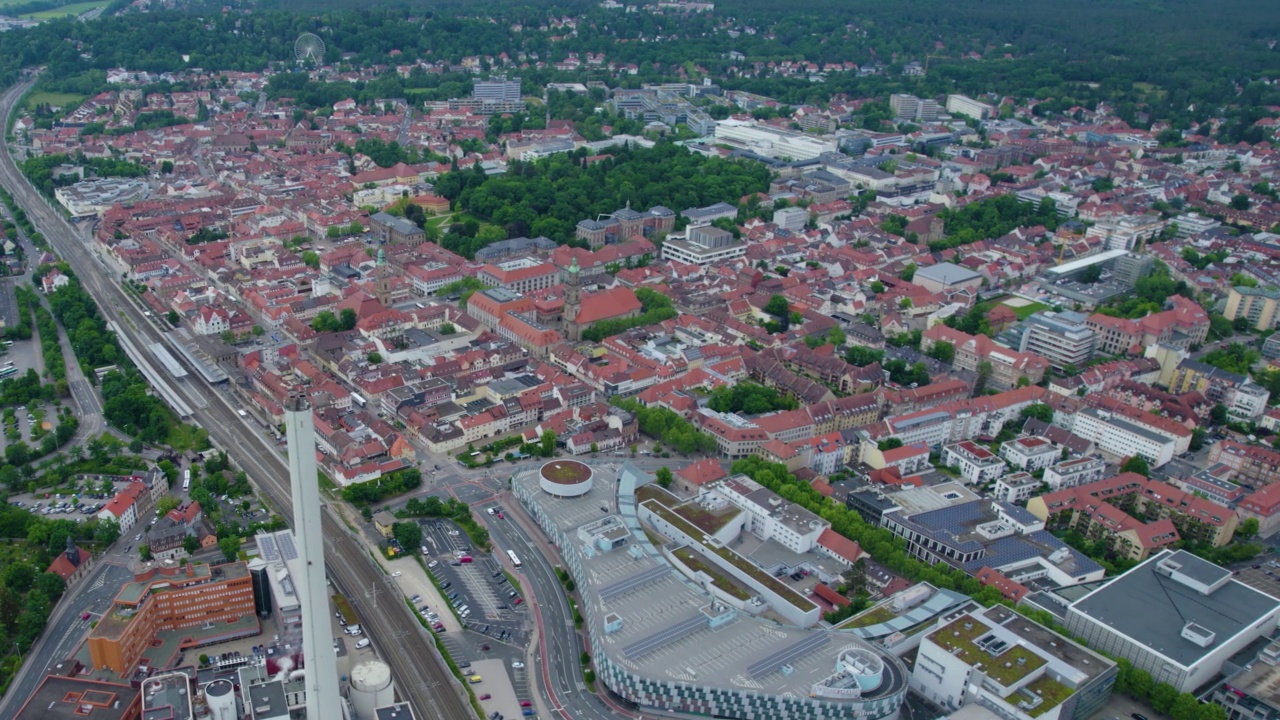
422 678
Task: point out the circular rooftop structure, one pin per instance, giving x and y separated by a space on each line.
565 478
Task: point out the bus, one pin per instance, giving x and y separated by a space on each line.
8 372
186 480
514 560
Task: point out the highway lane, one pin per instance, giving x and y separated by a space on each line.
421 676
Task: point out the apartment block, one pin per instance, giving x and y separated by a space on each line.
1243 398
1260 305
977 464
1121 438
1008 367
1264 505
1251 464
1016 487
1184 325
1030 453
1106 510
1074 472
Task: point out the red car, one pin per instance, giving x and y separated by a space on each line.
525 703
86 616
517 601
500 516
485 696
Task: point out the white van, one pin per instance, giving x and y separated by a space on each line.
362 644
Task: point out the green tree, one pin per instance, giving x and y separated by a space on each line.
942 351
311 259
375 358
408 534
190 544
548 443
863 356
1136 464
230 547
166 504
1248 529
1039 411
173 317
107 531
664 476
1218 414
889 444
1240 202
19 577
1163 696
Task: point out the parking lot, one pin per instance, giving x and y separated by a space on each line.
1265 577
481 594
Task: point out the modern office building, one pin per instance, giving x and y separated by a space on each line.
1251 693
1062 338
171 598
910 107
704 246
677 637
497 89
963 105
1018 668
308 573
771 142
1177 616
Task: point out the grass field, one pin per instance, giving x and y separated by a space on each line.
52 98
1023 311
73 9
1028 310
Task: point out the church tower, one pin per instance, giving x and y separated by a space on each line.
572 301
382 281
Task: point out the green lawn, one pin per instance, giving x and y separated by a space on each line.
1028 310
51 98
72 9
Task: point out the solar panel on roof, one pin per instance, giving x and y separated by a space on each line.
267 548
626 585
789 654
287 549
665 636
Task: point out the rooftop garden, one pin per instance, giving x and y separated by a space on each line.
1006 668
695 563
874 616
733 558
707 521
1051 692
653 492
566 472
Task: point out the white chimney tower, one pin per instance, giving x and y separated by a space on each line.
322 670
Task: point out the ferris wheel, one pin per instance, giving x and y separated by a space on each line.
308 49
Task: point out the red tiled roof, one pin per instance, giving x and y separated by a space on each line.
840 545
